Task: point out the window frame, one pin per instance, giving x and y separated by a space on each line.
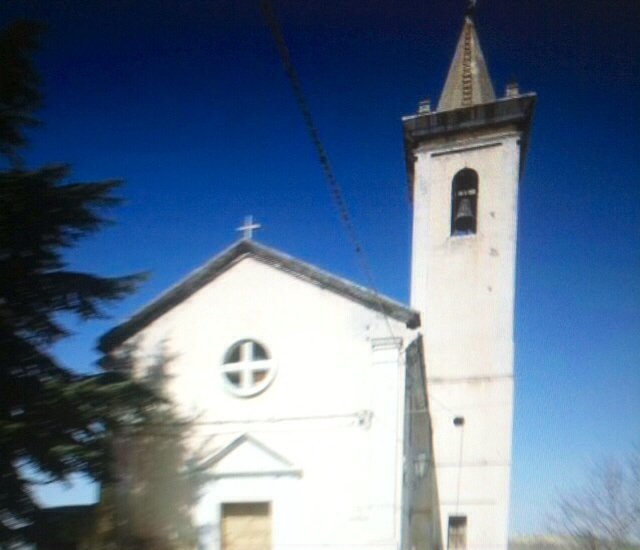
247 367
465 180
455 523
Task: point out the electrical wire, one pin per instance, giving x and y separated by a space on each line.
330 176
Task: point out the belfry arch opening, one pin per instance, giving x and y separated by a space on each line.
464 202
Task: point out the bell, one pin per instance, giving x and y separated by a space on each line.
463 220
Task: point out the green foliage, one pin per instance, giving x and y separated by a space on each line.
52 421
19 85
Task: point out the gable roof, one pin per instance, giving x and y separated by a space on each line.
251 249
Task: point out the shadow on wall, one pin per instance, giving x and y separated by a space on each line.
149 502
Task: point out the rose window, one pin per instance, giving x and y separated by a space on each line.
247 369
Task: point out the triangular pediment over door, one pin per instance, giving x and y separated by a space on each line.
245 456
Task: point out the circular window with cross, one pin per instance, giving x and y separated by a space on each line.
247 369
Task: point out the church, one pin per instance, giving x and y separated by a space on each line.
327 416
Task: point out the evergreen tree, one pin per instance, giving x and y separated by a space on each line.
53 421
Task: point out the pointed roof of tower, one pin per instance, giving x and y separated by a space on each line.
468 82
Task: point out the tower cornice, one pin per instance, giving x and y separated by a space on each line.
421 128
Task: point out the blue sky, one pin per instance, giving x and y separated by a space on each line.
188 103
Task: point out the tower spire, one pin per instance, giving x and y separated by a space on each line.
471 8
468 82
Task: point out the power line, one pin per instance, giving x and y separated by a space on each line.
332 180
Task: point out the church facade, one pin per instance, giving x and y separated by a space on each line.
327 416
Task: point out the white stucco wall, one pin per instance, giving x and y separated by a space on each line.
464 287
333 415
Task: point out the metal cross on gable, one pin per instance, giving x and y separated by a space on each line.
248 227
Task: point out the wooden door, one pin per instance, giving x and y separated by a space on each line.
246 526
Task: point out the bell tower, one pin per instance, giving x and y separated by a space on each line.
465 160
